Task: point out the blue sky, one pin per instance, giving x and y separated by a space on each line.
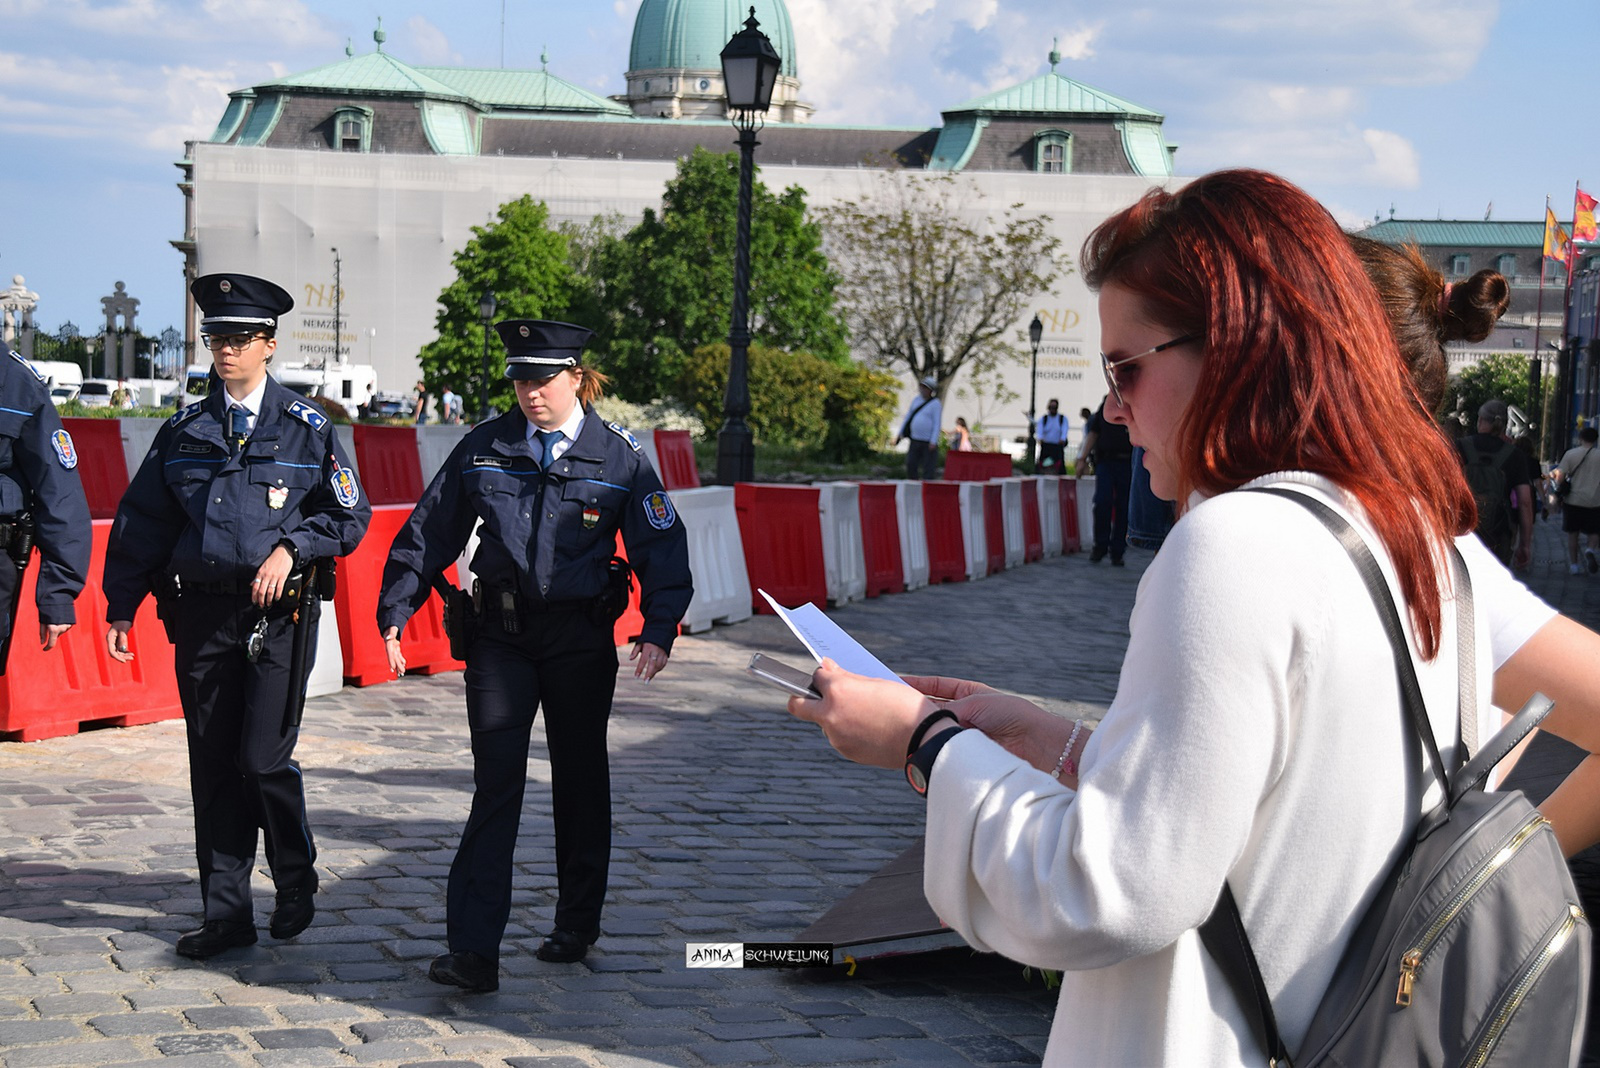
1436 107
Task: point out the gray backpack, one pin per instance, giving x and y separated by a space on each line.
1475 951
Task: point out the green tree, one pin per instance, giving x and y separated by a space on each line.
526 263
1503 376
925 286
666 287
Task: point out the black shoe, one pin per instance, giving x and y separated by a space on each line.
216 936
1098 554
563 947
470 971
1116 561
296 905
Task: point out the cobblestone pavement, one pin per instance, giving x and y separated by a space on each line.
734 822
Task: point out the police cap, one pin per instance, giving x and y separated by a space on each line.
238 303
539 348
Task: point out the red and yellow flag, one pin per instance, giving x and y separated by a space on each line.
1556 242
1583 225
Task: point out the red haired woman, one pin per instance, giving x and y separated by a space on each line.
1256 735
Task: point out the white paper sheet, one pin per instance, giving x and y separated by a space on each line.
825 638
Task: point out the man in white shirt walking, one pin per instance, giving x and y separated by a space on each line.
921 428
1051 433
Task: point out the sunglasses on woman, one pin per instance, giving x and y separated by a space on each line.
1110 366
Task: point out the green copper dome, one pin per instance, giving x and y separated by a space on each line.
690 34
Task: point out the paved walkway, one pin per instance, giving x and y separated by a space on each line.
734 822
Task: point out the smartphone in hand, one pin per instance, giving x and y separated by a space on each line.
775 672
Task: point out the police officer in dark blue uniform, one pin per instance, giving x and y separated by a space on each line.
42 501
240 501
552 484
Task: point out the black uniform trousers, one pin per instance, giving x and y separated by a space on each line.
241 772
564 662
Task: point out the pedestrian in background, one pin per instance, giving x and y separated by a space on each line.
961 437
244 496
43 504
1051 433
1578 486
1502 483
419 407
921 430
1107 441
548 485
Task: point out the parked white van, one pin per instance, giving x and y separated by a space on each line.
63 378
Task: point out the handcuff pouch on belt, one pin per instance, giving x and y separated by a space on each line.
612 601
16 538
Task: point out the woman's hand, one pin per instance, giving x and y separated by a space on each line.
652 658
117 640
49 633
867 720
267 586
391 646
943 689
1018 725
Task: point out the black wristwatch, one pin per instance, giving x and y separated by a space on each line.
921 755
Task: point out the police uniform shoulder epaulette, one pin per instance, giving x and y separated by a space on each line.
622 433
32 370
186 414
308 414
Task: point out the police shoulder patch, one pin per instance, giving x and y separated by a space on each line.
343 482
658 510
186 414
622 433
32 370
66 452
308 415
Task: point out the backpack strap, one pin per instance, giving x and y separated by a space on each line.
1223 933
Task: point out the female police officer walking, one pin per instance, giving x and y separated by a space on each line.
240 496
552 484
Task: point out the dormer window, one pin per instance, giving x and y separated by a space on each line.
352 129
1507 265
1052 152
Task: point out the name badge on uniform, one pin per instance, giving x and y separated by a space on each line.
591 516
277 496
66 452
345 490
659 511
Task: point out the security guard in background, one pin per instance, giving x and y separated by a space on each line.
1052 436
236 506
42 502
552 484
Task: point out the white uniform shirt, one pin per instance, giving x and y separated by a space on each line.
1052 429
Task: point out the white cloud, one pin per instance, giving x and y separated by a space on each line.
427 45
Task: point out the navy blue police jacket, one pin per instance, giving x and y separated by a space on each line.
208 517
551 533
39 474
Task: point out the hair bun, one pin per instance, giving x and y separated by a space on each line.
1475 306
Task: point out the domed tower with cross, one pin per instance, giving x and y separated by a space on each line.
674 64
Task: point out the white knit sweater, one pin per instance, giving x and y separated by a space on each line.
1256 738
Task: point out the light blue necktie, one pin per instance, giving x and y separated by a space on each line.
547 443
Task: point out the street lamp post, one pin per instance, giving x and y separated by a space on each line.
1035 335
486 306
749 72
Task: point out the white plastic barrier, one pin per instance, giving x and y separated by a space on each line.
647 439
1011 503
913 533
347 438
1050 514
1086 512
973 534
434 445
716 557
327 672
137 437
844 561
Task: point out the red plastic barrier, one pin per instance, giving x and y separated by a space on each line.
1032 530
976 466
101 464
941 520
426 647
675 455
880 539
391 468
46 695
994 527
1071 540
781 530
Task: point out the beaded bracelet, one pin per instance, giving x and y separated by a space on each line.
1066 763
